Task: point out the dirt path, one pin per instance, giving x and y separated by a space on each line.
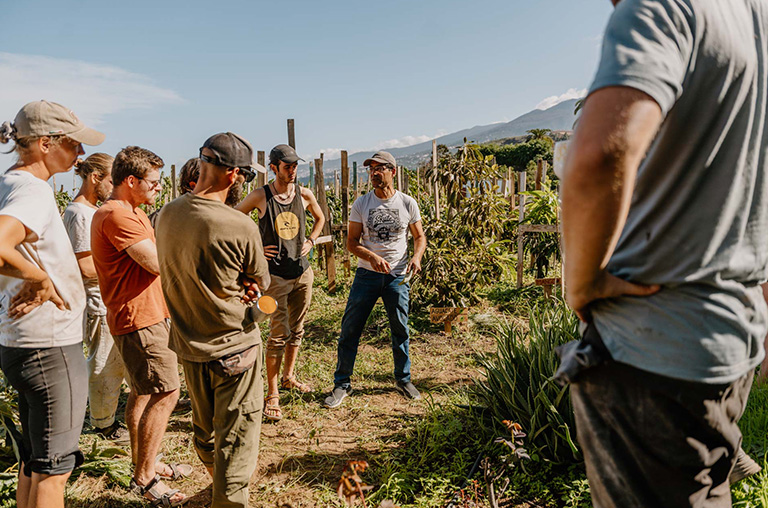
301 457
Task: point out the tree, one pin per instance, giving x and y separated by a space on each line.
538 134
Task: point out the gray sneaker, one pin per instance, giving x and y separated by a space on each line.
337 396
408 390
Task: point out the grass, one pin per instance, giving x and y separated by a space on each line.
420 452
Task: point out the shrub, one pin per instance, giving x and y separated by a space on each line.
518 385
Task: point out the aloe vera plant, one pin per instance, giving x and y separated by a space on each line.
518 384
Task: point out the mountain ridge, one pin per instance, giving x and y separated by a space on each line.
559 117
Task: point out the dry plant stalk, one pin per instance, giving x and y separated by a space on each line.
351 486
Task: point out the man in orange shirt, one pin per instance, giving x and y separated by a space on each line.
125 257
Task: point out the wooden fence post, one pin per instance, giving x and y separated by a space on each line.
538 174
406 182
436 191
330 261
311 181
399 170
345 208
173 181
336 183
291 133
521 217
261 178
356 191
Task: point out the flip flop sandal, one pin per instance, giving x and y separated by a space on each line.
157 498
179 470
292 383
272 411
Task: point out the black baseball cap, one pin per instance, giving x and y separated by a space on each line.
284 153
232 151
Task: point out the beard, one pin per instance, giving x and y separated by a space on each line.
103 193
234 194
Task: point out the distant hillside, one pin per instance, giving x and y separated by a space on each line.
558 118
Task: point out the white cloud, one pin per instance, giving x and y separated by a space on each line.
93 91
572 93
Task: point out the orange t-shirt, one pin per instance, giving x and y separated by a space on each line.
133 296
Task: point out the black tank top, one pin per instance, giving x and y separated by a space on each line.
285 226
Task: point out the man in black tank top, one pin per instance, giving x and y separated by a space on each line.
282 223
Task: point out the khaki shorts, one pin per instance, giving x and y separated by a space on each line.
287 325
151 365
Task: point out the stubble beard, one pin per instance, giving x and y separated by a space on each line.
234 194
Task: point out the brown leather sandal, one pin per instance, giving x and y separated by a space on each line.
178 471
291 383
272 410
151 493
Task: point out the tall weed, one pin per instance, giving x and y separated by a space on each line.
518 385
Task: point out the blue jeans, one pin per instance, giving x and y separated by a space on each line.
366 289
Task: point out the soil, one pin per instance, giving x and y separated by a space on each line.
301 458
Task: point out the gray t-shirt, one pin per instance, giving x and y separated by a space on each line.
385 227
698 221
77 219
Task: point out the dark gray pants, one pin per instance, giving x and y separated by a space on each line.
53 390
654 441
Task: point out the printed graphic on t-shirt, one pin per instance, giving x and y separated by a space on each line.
384 225
287 225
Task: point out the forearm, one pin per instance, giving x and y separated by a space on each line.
419 247
13 264
317 229
356 249
596 196
87 268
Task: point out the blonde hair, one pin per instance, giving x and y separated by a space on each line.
98 163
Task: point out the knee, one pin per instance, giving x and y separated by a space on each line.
165 398
51 481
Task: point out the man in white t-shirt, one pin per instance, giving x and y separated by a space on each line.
378 236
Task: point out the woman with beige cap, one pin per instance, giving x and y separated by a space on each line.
42 301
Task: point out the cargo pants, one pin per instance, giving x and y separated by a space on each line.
226 420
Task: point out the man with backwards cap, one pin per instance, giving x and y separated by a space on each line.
378 229
212 263
282 222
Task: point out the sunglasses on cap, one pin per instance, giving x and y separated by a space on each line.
247 173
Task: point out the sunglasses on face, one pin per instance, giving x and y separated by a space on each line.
247 173
152 183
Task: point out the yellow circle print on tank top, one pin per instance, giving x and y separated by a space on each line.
287 225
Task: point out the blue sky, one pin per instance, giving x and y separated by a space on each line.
355 75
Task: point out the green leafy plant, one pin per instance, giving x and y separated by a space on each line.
62 199
543 247
469 246
518 384
111 461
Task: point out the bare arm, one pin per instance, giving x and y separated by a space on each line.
354 232
419 247
37 288
256 199
616 128
314 208
85 263
145 254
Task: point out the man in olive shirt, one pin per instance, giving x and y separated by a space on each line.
211 259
